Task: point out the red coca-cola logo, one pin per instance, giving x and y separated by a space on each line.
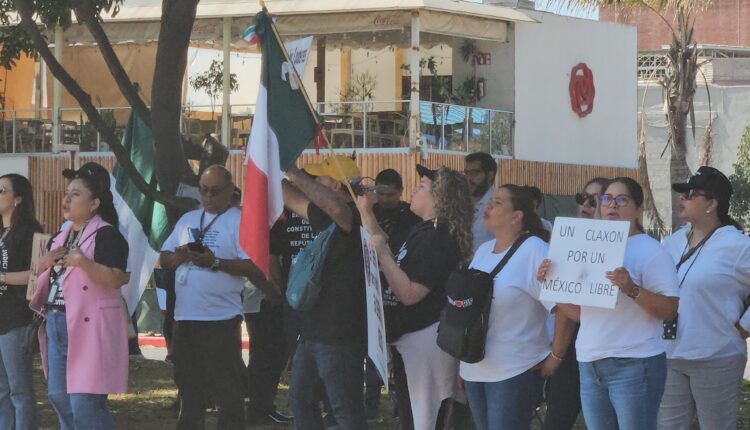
582 90
387 20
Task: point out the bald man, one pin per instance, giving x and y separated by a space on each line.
210 272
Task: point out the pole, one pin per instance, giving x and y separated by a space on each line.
415 76
57 92
226 126
309 104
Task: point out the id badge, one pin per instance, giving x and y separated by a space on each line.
181 274
56 286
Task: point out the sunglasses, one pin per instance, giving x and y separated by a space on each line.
583 198
212 191
619 200
692 193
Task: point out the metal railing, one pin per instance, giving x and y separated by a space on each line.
466 129
347 124
385 124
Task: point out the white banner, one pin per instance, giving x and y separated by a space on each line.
581 251
376 347
299 52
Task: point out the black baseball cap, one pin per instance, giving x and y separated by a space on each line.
98 175
707 179
423 171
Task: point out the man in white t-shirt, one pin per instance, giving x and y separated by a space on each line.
480 169
211 269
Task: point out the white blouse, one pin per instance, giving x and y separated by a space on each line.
716 283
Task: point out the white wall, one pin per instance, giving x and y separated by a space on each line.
14 164
729 112
499 75
547 129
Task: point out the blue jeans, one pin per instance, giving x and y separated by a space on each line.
622 393
341 368
75 411
17 404
506 405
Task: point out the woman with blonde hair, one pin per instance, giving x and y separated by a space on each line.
416 283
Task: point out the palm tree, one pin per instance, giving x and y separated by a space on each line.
679 82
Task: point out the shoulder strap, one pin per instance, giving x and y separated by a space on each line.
517 244
84 240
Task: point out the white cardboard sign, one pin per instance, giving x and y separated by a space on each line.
376 346
581 251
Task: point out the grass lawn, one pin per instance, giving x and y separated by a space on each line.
152 391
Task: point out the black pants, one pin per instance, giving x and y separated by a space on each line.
401 386
165 280
268 358
564 394
373 385
209 353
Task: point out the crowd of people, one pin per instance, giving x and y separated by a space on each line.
672 351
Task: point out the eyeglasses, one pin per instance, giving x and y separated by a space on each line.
619 200
692 193
583 198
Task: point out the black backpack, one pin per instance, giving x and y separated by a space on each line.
464 320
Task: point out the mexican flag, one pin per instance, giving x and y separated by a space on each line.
283 126
142 221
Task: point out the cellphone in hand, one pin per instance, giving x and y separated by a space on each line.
196 246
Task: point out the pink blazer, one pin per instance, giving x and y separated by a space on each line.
97 334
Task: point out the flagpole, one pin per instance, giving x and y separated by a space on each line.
309 103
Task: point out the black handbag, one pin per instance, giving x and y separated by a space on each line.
464 320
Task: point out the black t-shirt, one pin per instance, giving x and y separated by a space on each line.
111 250
396 223
15 256
289 235
428 257
338 315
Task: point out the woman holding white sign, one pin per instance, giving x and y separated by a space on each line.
505 386
17 227
416 283
620 352
563 389
706 349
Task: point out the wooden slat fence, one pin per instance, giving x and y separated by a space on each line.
552 178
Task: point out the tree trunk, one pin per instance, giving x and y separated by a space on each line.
171 164
25 10
678 168
680 90
87 14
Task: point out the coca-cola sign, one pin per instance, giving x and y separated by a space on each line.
388 20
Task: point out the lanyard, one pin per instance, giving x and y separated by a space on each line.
686 255
201 231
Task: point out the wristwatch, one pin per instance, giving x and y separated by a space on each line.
2 278
635 292
215 265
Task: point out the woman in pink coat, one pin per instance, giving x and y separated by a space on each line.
84 341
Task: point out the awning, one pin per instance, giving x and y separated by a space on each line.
356 24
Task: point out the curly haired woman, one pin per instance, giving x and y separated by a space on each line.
416 280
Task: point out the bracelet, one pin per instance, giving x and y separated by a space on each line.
556 357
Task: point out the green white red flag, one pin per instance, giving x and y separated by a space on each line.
283 126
